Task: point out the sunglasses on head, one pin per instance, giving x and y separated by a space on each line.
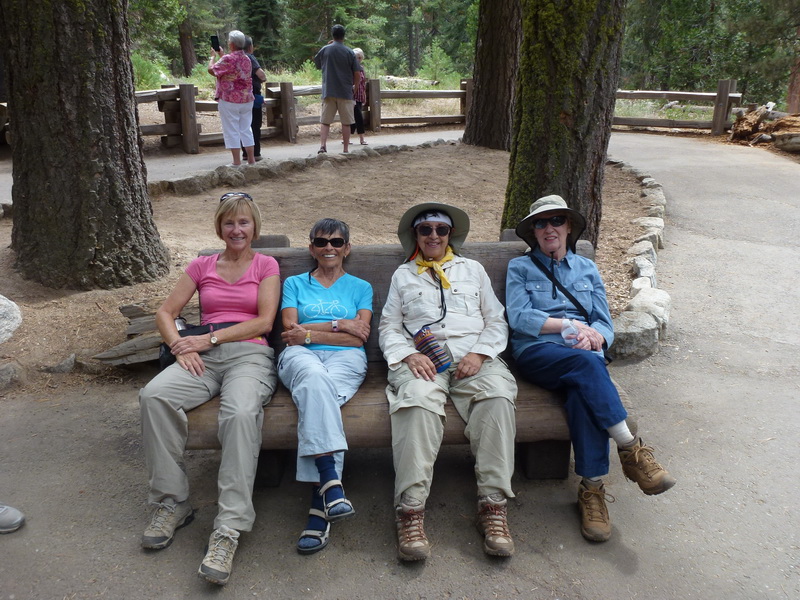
556 221
321 242
441 230
234 194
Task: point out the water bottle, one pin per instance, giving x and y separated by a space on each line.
180 323
569 332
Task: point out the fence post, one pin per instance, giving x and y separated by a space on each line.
288 112
374 102
466 101
189 137
722 105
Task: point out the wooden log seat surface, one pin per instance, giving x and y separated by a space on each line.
542 433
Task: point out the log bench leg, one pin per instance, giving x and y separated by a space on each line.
546 459
271 465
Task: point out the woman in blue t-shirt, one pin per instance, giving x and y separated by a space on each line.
326 317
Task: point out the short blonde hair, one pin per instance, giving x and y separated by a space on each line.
237 203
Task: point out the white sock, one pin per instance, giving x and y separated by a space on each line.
593 481
621 434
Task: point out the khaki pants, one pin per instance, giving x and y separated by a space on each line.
243 374
485 401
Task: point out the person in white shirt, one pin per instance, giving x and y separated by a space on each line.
441 331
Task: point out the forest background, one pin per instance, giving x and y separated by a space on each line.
681 45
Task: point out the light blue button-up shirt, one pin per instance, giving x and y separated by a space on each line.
529 299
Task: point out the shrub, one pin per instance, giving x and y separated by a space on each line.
147 74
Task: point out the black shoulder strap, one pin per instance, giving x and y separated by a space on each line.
564 290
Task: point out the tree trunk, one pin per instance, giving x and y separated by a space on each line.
568 73
793 94
82 218
489 122
187 46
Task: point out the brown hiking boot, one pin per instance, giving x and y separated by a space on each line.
493 526
411 539
595 522
640 466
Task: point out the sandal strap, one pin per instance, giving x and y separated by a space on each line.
316 533
333 503
328 485
315 512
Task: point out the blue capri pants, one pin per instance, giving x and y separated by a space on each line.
593 403
321 381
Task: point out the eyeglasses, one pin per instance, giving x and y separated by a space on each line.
441 230
235 194
321 242
556 221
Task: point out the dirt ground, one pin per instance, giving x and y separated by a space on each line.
370 195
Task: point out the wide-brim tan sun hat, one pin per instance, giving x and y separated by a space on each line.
540 209
408 237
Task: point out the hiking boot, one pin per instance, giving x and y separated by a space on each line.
493 526
10 519
595 522
411 539
640 466
218 563
167 517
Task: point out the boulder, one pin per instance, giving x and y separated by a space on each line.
10 318
635 335
654 302
644 248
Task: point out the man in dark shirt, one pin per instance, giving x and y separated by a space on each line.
258 76
340 73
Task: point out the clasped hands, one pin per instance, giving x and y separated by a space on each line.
588 338
187 352
422 366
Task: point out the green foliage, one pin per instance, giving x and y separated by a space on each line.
691 44
436 64
203 80
148 74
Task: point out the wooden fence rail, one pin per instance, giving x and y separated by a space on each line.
180 108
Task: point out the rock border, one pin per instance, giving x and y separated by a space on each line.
639 329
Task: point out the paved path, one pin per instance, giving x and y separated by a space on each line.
721 397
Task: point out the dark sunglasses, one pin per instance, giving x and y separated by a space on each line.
321 242
441 230
556 221
234 194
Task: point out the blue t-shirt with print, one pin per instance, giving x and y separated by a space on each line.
317 304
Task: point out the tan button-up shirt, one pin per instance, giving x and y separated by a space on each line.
474 321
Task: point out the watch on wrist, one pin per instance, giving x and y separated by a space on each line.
214 340
335 325
308 337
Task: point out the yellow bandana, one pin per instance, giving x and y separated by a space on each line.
423 264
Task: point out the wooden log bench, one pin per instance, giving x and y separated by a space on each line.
543 441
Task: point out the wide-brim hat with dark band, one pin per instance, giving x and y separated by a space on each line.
541 209
408 237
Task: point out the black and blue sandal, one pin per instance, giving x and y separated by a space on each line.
314 540
338 508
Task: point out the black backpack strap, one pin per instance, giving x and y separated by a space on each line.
563 290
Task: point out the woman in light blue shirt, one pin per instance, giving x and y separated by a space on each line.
558 312
326 316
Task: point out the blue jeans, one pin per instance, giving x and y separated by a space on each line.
320 381
593 403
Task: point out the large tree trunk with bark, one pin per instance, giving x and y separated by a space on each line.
568 73
82 218
490 118
793 93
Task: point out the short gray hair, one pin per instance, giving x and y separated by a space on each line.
237 38
359 53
